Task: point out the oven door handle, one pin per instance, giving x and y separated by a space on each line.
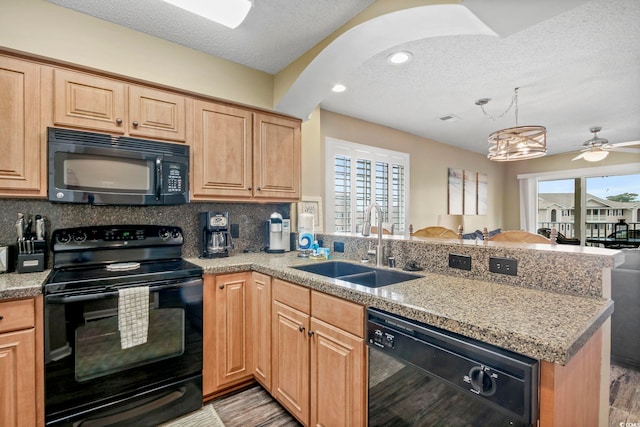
64 299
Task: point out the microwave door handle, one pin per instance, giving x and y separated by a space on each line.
158 177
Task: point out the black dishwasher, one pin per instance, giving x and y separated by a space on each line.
424 376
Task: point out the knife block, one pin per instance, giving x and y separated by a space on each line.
32 262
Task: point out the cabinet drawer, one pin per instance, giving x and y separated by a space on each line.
294 296
340 313
19 314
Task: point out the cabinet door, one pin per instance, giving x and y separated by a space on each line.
277 158
233 362
89 102
290 379
22 163
260 297
221 156
17 379
338 377
156 114
226 360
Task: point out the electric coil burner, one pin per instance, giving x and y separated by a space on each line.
123 327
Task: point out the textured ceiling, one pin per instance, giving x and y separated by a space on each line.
576 62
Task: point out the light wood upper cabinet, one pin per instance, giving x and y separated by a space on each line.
22 143
277 158
156 114
226 349
101 104
242 155
260 297
19 391
221 152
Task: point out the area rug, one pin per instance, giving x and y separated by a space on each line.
205 417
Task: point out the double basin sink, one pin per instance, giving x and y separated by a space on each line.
358 274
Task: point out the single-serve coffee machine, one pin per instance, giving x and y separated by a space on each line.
278 232
215 238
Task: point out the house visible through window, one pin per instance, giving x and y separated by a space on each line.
358 175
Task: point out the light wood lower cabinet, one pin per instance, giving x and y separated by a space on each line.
21 392
226 348
260 315
319 364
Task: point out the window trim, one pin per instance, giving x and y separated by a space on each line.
529 188
334 146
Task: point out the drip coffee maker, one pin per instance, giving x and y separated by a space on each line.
215 238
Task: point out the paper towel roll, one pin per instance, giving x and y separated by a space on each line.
305 230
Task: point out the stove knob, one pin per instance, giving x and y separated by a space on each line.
79 237
164 234
176 234
482 381
63 237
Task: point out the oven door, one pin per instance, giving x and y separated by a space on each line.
86 366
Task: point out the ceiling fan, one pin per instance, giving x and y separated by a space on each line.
596 148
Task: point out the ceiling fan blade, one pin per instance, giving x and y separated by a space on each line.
625 150
578 157
624 144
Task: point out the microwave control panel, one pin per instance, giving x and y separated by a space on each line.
175 178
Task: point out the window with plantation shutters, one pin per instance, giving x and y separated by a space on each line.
358 175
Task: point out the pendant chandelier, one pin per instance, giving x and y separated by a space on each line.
516 143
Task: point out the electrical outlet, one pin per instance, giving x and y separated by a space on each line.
235 231
338 246
503 266
462 262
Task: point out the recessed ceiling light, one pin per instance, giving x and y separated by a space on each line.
338 88
399 57
229 13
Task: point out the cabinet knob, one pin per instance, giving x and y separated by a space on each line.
259 189
301 328
135 124
119 121
249 188
221 286
310 333
1 317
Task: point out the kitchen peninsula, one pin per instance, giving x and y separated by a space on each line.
539 315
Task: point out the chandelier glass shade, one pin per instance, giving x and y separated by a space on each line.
517 143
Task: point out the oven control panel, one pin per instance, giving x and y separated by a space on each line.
97 237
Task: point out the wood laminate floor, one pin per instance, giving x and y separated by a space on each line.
624 397
254 407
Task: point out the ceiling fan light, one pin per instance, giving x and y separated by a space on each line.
595 155
229 13
518 143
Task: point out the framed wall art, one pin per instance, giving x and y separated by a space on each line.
312 205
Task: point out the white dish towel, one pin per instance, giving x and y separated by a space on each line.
133 316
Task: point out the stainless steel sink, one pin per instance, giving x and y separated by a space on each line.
358 274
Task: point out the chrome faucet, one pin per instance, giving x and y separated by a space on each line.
366 231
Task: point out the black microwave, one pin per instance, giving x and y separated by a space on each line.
101 169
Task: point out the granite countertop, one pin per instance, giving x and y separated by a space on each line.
25 285
541 324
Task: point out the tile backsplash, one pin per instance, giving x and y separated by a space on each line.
249 217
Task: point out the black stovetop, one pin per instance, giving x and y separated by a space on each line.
107 257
